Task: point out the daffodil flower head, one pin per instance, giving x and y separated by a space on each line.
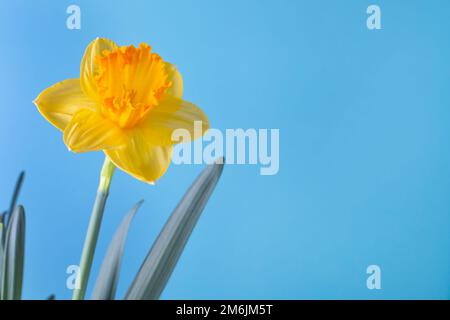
127 102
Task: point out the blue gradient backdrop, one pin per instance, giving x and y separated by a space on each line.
364 119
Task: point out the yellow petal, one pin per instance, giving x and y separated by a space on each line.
171 114
89 68
140 158
90 131
174 76
61 101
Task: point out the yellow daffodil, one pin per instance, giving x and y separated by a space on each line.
127 102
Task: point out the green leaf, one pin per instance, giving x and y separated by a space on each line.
14 252
162 258
12 205
2 233
106 284
2 229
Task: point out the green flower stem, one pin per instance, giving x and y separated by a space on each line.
93 230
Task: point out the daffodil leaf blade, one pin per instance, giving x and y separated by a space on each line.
168 247
106 284
14 197
2 232
13 256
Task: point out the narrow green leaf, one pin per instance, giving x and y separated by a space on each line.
106 284
162 258
2 231
2 228
16 192
12 273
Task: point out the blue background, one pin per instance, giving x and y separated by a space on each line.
364 122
